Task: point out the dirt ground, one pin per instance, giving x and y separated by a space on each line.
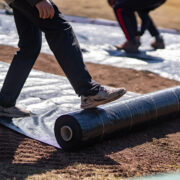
135 81
152 150
165 16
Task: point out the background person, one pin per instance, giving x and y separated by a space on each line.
125 14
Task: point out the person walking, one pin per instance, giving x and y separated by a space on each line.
125 14
32 17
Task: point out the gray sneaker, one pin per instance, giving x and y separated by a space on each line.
13 112
105 95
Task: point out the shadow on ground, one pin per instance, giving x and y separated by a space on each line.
141 55
32 157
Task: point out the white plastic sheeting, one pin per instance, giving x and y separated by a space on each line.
97 42
48 97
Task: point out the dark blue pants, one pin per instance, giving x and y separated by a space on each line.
125 13
147 24
127 21
139 4
62 42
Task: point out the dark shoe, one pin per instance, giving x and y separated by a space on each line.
14 111
130 46
104 96
158 43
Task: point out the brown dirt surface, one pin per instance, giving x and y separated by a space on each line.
135 81
165 16
152 150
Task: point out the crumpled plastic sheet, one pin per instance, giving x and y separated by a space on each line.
48 96
97 42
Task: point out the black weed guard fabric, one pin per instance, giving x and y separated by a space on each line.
74 130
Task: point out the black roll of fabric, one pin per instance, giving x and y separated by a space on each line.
75 129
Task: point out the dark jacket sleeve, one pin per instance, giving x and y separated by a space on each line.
139 4
33 2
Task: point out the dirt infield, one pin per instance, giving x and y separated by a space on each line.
152 150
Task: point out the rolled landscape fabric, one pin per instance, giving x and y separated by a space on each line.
75 129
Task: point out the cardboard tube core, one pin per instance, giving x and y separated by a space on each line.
66 133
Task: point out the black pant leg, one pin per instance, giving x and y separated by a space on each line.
127 21
152 28
144 21
63 43
147 23
23 61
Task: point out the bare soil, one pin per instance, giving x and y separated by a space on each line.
154 149
135 81
166 16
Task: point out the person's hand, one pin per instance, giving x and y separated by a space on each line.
45 9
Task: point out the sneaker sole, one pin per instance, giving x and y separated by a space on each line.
155 47
13 115
126 50
103 102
